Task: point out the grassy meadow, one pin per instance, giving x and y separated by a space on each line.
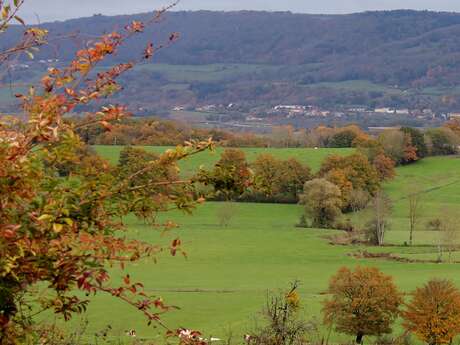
222 284
311 157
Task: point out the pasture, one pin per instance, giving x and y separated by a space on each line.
222 284
311 157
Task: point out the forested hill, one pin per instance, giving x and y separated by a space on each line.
397 47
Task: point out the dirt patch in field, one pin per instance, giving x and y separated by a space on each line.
364 254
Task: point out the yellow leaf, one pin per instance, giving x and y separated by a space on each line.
68 221
44 217
57 227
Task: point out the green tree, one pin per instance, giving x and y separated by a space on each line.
231 175
417 139
441 141
343 138
323 201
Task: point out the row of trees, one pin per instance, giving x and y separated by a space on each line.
277 180
404 145
365 302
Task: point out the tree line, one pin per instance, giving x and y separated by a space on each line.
403 145
364 302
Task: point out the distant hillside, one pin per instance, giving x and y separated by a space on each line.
406 59
397 47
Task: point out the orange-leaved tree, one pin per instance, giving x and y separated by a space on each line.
363 302
60 231
433 314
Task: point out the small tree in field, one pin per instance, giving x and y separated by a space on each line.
283 324
433 314
226 212
381 207
363 302
414 200
323 202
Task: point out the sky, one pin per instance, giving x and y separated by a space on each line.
50 10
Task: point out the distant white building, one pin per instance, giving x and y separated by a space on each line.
402 111
290 107
384 110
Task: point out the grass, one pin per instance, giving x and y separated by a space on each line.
438 181
223 283
206 73
308 156
356 85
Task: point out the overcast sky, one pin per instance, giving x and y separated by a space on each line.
48 10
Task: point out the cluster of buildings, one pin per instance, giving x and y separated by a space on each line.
300 110
288 111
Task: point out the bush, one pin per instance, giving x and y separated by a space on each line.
322 200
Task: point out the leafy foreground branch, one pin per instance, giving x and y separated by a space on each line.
61 227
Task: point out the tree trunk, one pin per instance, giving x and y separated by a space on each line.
359 338
411 233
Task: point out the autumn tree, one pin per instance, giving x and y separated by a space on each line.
433 314
322 200
231 175
340 179
350 173
363 302
417 140
61 232
279 180
398 146
368 147
292 176
266 171
384 166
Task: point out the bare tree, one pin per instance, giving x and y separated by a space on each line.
449 235
381 208
358 199
225 213
414 200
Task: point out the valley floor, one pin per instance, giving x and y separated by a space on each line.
223 283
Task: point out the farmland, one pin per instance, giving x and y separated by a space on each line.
222 284
311 157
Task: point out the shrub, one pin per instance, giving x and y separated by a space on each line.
322 200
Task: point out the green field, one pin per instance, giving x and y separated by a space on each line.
206 73
223 283
311 157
